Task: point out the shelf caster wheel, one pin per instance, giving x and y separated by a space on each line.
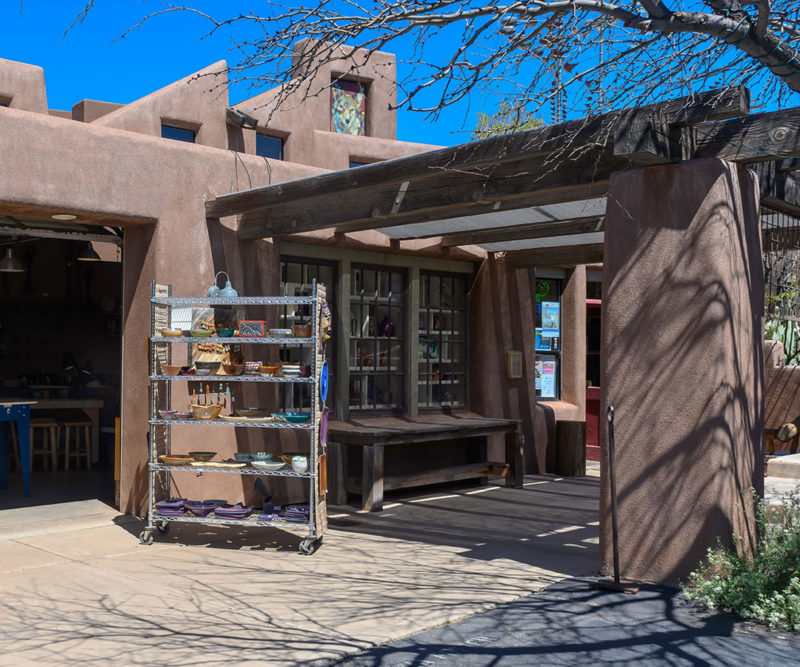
146 537
163 527
309 546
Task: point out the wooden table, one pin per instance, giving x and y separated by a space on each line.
91 406
373 434
19 411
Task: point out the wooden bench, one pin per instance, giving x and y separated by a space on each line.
374 434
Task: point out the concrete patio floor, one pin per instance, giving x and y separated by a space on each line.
77 587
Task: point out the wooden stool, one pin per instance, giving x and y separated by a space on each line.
83 445
49 447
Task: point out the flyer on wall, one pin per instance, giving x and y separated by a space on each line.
550 319
546 377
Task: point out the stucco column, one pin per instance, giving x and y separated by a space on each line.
683 363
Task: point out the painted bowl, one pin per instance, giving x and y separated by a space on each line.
280 332
173 503
233 369
199 508
270 371
262 456
201 333
301 330
186 370
170 369
294 417
225 333
299 463
287 457
251 412
176 459
243 456
203 456
168 414
210 366
271 466
183 415
205 411
171 333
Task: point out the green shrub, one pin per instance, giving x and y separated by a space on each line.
766 587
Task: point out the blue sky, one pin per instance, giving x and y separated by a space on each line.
88 63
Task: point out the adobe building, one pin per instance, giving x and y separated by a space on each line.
435 311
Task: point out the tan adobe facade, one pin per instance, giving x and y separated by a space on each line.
109 165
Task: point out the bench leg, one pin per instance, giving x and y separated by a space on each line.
337 473
515 458
372 478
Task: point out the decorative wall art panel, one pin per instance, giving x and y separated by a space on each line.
348 108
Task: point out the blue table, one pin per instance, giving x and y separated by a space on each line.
18 411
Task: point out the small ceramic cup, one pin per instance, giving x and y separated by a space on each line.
299 463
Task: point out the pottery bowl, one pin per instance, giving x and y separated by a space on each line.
251 412
168 414
176 459
287 457
294 417
280 332
224 333
262 456
203 456
171 333
205 411
233 369
201 333
243 457
170 369
301 330
299 463
210 366
198 508
267 465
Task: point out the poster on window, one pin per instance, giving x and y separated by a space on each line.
546 377
550 319
542 344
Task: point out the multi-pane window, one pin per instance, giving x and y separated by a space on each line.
268 145
177 133
548 339
442 340
297 278
377 320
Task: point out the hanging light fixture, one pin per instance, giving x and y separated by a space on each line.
88 254
10 264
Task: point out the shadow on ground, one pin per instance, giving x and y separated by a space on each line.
570 623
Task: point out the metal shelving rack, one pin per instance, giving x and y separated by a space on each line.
160 429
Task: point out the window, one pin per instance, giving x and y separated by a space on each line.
348 108
268 145
297 277
177 133
548 339
377 321
442 340
355 163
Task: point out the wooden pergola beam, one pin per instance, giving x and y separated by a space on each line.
586 134
591 253
534 230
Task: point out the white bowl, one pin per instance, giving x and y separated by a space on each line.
267 465
300 464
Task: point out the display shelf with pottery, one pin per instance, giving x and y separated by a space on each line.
300 464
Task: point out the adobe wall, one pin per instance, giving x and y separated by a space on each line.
683 297
501 318
22 86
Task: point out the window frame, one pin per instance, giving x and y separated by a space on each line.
282 144
464 342
179 129
360 372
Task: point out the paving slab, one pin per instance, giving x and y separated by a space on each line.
784 466
221 595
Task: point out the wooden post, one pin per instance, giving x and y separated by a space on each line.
337 473
515 458
372 477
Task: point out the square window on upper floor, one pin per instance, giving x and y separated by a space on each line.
349 107
178 133
268 145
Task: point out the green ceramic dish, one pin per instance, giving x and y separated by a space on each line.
201 333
